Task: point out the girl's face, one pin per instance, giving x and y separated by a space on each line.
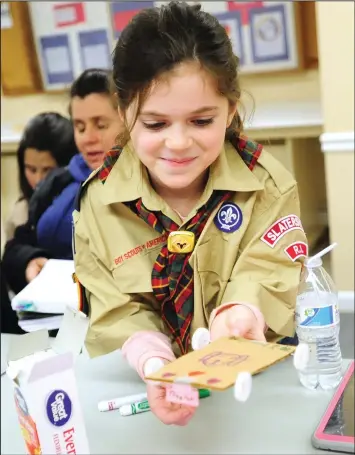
180 129
37 165
96 125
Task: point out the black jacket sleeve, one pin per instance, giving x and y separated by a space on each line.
18 252
9 320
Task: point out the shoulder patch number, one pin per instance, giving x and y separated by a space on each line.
281 227
296 250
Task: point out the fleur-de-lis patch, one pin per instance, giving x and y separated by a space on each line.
229 217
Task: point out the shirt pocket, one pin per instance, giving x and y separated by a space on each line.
134 275
211 257
213 272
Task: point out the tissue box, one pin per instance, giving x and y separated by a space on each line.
45 389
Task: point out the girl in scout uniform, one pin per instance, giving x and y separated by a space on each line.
188 223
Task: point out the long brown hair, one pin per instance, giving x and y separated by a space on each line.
158 39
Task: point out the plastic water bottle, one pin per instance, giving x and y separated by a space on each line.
317 325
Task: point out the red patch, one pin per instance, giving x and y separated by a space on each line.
281 227
297 250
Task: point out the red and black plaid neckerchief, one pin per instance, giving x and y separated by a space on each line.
172 275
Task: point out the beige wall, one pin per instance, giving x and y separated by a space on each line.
335 23
15 111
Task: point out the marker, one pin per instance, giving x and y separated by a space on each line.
143 406
116 403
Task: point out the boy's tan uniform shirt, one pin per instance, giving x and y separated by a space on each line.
114 250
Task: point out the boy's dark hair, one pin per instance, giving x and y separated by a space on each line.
157 39
48 131
94 80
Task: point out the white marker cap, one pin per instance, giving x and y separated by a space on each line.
301 356
243 386
200 339
126 410
104 406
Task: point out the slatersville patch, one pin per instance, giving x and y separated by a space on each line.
229 217
296 250
281 227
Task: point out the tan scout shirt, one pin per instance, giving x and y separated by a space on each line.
115 250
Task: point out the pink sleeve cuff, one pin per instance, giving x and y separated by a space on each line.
257 313
144 345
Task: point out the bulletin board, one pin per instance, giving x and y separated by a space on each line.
70 37
263 34
73 36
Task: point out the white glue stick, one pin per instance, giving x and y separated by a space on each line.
116 403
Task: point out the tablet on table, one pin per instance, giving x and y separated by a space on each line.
335 431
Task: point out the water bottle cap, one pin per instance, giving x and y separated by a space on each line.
313 263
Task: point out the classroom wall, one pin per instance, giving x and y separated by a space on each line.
335 24
283 87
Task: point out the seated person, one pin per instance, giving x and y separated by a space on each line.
47 142
48 232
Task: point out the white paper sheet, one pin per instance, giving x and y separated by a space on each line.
51 291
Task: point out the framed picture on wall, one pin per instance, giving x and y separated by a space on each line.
270 41
269 35
232 23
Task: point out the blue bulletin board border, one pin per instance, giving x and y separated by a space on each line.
47 42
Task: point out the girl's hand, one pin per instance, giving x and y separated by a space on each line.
168 413
237 320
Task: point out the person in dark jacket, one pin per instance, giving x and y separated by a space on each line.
48 232
46 143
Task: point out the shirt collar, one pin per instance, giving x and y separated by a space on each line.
230 173
129 180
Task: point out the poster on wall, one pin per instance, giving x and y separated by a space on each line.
66 14
57 59
94 49
86 39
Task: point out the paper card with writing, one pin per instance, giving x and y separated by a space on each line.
217 365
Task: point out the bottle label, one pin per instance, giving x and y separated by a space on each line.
317 317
